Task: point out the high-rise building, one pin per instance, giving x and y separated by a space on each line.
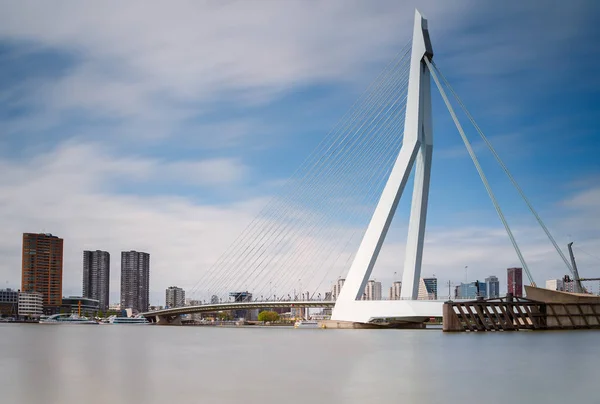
42 268
372 290
427 289
395 290
135 280
492 287
174 297
555 284
515 281
472 290
431 285
337 288
96 277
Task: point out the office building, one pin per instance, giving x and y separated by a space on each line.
96 277
82 306
174 297
372 290
472 290
431 285
42 268
427 289
241 297
337 288
395 290
492 287
9 302
515 281
555 284
135 280
31 304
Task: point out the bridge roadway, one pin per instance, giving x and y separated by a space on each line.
169 315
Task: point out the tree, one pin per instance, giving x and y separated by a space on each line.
270 316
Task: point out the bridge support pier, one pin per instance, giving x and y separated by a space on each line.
168 320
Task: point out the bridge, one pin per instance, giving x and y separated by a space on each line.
315 230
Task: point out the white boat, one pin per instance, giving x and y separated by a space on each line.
128 320
67 319
306 324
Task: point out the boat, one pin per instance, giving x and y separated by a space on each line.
66 319
128 320
306 324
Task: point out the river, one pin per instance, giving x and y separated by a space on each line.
113 364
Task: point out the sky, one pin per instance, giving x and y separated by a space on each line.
165 128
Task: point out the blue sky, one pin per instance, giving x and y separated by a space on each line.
166 128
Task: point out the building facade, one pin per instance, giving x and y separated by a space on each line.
135 280
555 284
472 290
337 288
515 281
80 305
31 304
174 297
9 303
395 290
372 290
492 287
96 277
427 289
42 268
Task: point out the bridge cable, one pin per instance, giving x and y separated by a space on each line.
268 208
505 169
242 254
479 169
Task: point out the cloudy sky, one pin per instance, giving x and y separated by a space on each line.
165 128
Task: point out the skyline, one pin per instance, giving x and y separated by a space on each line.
192 147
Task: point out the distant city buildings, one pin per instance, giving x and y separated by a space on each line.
42 268
395 290
372 290
471 290
515 281
492 287
96 277
81 305
9 302
427 289
337 288
31 304
555 284
174 297
135 280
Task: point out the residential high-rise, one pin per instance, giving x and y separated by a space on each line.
135 280
174 297
372 290
337 288
395 290
492 287
42 268
515 281
96 276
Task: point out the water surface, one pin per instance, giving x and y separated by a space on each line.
116 364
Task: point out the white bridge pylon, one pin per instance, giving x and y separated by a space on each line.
416 151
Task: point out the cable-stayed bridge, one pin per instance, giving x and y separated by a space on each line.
333 214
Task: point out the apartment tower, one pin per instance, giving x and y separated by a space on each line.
42 268
135 280
96 277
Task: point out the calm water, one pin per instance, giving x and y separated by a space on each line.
136 364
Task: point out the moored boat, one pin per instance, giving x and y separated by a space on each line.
67 319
